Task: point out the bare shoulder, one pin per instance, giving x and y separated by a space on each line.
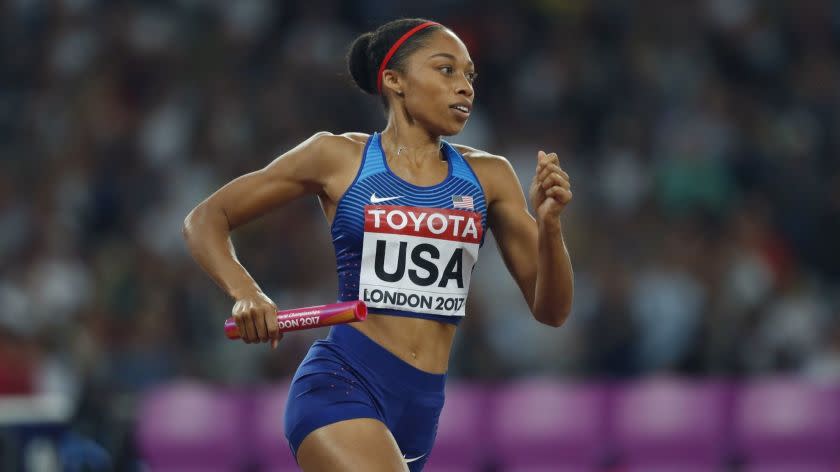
337 144
338 152
492 170
345 139
473 153
481 161
358 138
338 159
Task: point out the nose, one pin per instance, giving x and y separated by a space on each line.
465 88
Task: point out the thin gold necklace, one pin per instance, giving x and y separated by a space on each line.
400 148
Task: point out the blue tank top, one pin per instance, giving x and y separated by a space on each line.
409 250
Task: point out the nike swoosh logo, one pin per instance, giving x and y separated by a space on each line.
407 460
375 199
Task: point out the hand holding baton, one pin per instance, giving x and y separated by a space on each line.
296 319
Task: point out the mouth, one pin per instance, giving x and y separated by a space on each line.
462 110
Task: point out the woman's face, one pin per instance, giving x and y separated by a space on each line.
437 84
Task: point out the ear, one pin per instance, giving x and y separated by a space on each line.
391 80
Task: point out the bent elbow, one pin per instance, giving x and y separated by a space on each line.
554 318
554 322
185 228
191 223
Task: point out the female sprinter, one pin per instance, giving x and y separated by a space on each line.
408 213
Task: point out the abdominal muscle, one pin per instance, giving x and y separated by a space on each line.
425 344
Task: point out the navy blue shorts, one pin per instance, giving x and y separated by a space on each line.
348 375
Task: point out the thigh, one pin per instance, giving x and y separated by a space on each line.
351 445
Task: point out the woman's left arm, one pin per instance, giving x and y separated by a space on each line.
533 248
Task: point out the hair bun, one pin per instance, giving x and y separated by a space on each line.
358 64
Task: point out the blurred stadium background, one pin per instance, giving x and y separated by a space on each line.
702 137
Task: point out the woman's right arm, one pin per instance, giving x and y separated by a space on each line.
300 171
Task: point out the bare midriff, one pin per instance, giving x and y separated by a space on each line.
425 344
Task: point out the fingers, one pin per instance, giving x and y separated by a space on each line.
240 325
560 194
272 326
543 170
268 321
552 175
551 157
261 326
547 163
250 333
548 174
554 179
243 320
260 321
551 179
257 321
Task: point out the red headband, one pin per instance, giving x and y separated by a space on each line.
394 50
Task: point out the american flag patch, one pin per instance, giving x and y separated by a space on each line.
463 201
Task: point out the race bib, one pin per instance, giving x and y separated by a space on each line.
418 259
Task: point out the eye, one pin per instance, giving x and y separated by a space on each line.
471 76
446 69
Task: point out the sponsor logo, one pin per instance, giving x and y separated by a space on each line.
454 225
408 461
375 199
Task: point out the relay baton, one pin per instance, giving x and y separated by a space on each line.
311 317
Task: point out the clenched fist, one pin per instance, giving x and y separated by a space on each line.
256 318
550 190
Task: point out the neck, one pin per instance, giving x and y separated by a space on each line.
412 141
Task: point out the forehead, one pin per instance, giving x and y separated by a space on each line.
444 42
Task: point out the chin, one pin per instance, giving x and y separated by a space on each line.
444 127
452 130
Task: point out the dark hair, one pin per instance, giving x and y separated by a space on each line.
367 51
